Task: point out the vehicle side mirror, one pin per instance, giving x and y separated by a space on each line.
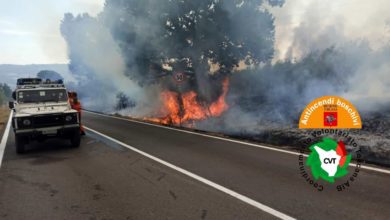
14 95
11 105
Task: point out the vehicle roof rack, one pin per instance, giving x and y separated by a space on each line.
32 83
28 81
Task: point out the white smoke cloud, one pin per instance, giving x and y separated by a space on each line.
306 25
103 76
358 29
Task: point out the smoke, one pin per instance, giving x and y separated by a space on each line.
321 48
96 62
306 25
369 85
277 61
134 47
274 95
358 32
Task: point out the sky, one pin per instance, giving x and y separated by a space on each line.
30 29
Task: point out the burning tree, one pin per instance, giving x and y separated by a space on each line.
199 42
206 40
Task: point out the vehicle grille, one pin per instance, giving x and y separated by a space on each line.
48 120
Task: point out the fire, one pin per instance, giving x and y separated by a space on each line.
185 108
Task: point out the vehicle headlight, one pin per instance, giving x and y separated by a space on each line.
68 118
27 122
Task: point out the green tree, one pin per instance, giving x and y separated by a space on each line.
198 32
49 74
5 93
153 33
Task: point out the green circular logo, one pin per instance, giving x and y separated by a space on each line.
328 160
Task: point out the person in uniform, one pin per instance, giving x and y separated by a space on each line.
76 105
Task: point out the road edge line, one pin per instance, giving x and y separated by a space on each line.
216 186
379 170
4 139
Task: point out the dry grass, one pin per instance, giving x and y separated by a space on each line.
4 114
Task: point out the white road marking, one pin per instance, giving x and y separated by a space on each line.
4 139
232 140
201 179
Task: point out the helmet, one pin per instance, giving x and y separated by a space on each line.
72 94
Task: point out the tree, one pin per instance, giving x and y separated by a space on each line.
204 39
123 101
5 93
49 74
154 33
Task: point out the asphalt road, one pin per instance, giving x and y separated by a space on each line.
103 180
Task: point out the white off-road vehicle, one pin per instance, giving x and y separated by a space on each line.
42 111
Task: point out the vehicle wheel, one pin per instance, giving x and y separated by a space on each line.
20 144
75 139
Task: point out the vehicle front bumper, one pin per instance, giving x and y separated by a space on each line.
55 131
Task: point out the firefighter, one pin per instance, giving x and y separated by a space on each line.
75 104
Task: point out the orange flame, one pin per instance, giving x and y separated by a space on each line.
190 110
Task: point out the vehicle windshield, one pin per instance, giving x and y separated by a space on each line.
33 96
